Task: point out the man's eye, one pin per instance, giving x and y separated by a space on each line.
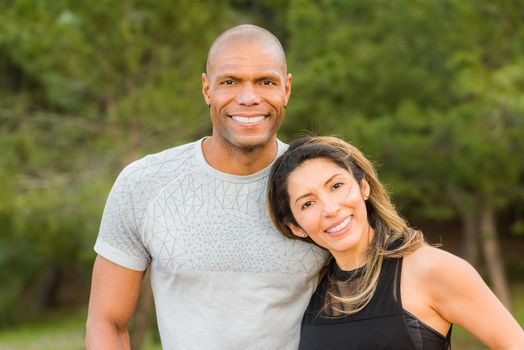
228 82
267 82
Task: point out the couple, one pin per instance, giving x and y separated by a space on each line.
221 274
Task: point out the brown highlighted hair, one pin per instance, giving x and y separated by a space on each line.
393 237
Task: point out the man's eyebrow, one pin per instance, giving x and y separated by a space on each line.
274 77
309 193
227 76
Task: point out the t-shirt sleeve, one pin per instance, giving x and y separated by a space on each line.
119 239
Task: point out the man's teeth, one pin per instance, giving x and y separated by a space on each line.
339 226
248 120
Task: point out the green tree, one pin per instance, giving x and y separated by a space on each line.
432 91
87 89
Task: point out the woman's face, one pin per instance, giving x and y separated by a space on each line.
328 204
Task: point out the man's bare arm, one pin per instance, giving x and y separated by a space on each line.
114 294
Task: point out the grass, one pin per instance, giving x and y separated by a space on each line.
56 331
65 331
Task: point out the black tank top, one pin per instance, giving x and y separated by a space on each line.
382 324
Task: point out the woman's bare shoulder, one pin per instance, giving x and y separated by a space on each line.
433 264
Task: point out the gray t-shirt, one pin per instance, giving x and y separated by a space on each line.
222 276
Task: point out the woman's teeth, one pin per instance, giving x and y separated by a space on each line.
339 226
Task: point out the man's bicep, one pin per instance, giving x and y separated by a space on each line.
114 293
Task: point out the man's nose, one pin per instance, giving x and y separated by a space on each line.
248 95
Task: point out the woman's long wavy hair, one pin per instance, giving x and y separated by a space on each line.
387 224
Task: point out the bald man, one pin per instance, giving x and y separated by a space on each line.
222 277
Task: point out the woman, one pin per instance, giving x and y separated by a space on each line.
385 287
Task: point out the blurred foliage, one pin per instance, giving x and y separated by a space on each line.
85 88
433 91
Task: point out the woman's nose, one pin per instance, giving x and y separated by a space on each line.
330 207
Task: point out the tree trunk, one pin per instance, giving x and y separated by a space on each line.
143 314
493 258
51 288
470 247
470 237
132 142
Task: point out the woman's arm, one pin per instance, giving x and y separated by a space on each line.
457 292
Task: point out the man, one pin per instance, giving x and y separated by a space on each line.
222 277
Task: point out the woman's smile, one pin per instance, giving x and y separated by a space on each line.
339 228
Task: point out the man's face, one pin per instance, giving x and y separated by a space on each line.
247 89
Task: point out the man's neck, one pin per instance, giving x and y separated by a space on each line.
235 161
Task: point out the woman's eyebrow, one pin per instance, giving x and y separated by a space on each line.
309 193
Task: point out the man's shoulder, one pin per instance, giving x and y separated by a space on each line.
281 147
158 165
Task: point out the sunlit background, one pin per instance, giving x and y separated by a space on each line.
432 91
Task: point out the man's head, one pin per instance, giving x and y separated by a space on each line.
246 86
247 33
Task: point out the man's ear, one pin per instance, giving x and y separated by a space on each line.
287 86
297 230
365 189
205 89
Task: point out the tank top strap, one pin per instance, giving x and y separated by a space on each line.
398 274
393 266
386 299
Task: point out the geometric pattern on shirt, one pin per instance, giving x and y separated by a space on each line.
201 223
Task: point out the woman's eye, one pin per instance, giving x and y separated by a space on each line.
307 204
337 185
